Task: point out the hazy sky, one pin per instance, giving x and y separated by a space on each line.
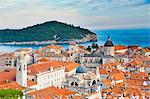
92 14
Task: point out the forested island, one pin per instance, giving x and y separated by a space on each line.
45 33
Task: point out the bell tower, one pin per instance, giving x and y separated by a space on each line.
21 75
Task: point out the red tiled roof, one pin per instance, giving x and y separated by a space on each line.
107 82
31 83
43 60
36 68
51 92
71 66
138 76
118 76
13 85
120 47
103 71
8 75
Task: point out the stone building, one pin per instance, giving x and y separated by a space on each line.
8 60
83 83
101 56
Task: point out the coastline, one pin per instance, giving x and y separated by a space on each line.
87 38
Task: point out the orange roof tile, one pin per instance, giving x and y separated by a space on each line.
51 92
31 83
56 47
36 68
120 47
139 76
103 71
24 49
118 90
146 50
13 85
1 83
118 76
8 75
82 47
134 82
43 60
71 66
9 55
107 82
133 91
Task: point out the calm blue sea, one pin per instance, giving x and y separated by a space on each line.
124 36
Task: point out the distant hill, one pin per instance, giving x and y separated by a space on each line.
51 30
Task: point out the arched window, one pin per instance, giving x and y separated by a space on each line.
76 84
101 61
90 61
20 68
94 82
72 83
85 61
24 67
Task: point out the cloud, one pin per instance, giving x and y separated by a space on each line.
93 14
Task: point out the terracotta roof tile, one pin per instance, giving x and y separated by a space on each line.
36 68
120 47
118 76
10 55
71 66
134 82
51 92
118 90
8 75
56 47
24 49
103 71
107 82
13 85
31 83
43 60
139 76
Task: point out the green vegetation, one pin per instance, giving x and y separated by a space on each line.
89 48
10 94
95 46
44 32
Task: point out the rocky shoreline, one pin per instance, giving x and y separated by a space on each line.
87 38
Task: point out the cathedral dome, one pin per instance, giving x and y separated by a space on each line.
109 43
81 69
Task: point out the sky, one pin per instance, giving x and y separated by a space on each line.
91 14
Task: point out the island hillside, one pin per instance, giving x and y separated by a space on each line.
48 31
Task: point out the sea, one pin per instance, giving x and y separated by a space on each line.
126 37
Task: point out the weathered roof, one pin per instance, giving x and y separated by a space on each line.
51 92
13 85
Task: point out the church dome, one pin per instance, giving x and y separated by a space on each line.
81 69
109 43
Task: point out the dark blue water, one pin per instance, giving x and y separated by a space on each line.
126 37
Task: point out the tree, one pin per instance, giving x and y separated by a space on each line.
44 31
95 46
89 48
10 94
